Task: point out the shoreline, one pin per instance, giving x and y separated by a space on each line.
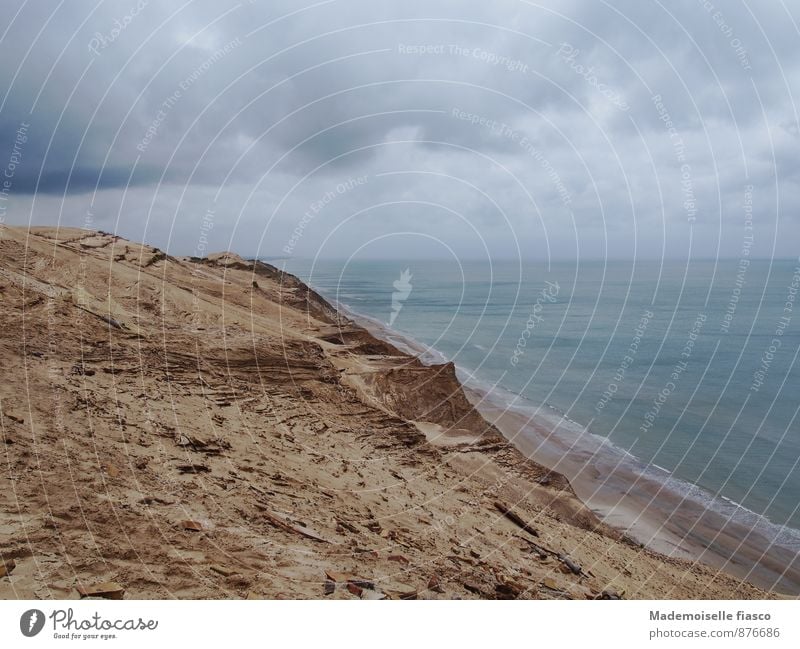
668 519
250 441
640 505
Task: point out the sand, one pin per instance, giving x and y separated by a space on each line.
662 518
185 428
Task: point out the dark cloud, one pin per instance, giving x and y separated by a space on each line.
256 110
80 180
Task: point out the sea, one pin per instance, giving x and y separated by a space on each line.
688 370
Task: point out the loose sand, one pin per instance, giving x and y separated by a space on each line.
214 429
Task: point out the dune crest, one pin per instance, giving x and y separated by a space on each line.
213 428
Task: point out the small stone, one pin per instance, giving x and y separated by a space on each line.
14 418
220 570
373 595
571 565
434 585
398 590
7 566
610 593
339 577
472 587
508 590
107 590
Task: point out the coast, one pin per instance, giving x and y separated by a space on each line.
667 515
647 504
186 427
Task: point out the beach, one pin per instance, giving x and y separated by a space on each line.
661 515
642 499
177 427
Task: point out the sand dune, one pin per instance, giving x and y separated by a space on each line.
212 428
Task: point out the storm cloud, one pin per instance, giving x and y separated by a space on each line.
402 129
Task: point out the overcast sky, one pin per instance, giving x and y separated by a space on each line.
407 128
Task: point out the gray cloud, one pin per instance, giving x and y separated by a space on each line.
257 110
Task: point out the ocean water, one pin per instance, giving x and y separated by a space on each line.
691 368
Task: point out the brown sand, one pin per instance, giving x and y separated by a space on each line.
214 429
661 518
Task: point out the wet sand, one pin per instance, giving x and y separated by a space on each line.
662 518
644 507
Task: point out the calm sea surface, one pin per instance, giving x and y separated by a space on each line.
691 367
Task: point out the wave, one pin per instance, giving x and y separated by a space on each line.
580 440
626 471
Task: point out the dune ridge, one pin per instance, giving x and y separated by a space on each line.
213 428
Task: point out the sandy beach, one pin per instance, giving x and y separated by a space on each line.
212 428
673 518
664 518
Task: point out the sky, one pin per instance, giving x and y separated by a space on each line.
407 129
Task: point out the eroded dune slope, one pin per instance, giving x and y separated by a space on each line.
177 427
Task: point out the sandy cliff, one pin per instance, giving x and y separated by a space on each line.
176 427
